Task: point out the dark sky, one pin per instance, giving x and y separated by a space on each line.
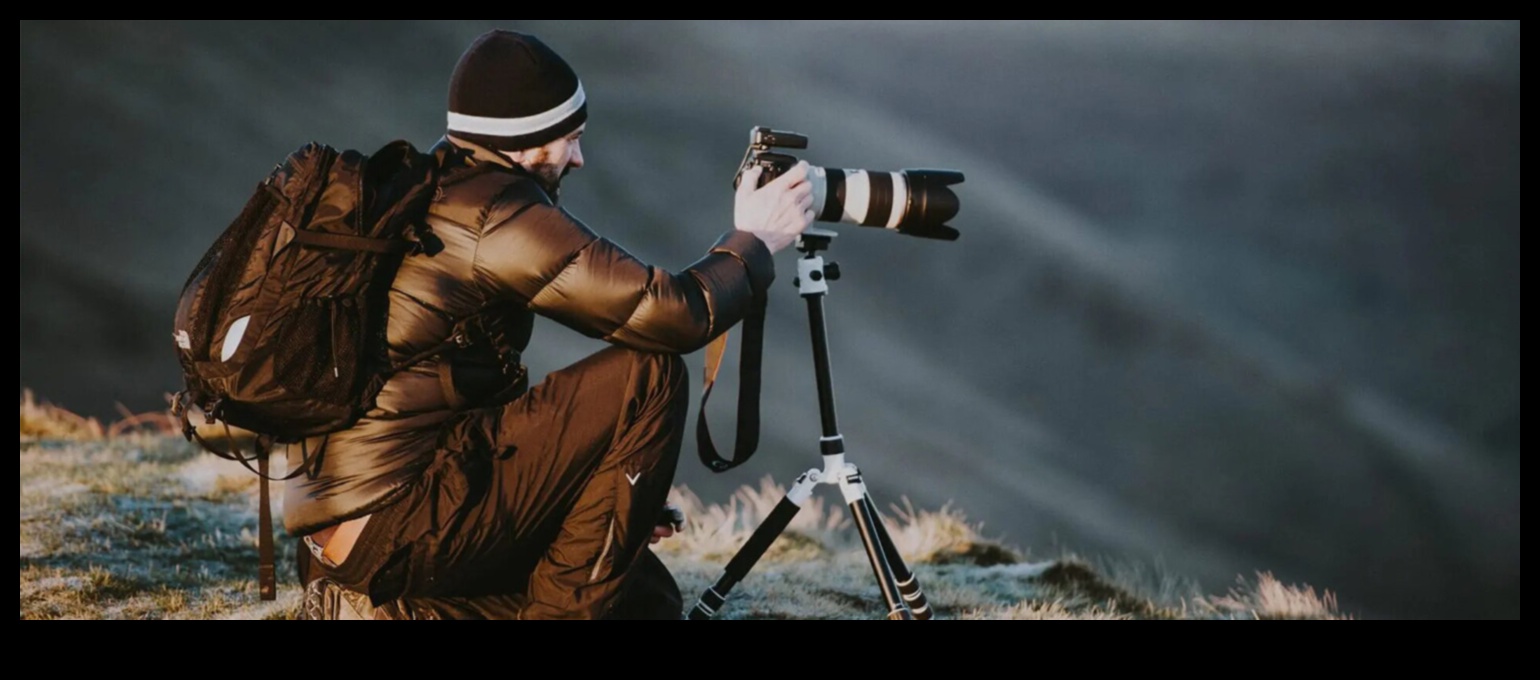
1230 297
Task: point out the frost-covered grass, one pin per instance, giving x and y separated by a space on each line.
120 523
139 527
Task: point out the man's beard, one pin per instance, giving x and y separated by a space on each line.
550 178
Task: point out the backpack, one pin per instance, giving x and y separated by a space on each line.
280 329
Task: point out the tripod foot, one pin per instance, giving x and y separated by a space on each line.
908 584
914 597
711 602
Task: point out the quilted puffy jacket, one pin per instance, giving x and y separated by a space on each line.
509 253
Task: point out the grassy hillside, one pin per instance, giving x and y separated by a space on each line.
122 521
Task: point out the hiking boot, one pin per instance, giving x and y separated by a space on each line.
327 601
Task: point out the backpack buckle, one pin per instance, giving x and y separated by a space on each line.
179 413
422 241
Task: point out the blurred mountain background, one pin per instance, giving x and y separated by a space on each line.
1230 297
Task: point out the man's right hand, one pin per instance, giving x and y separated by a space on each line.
779 211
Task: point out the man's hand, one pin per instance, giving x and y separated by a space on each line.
779 211
661 533
670 523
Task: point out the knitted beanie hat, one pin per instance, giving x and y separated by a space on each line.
511 92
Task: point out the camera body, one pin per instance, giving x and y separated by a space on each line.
762 153
910 202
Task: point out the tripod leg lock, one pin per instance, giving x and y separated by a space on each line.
852 486
802 491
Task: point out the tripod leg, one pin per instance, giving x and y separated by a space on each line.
908 584
710 603
870 526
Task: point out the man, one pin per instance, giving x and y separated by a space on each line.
465 494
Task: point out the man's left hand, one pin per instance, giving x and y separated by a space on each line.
672 522
661 533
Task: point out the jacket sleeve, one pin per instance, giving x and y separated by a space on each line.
563 270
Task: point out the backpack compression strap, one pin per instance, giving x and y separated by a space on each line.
321 239
267 570
748 391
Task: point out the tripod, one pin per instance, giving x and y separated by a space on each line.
900 590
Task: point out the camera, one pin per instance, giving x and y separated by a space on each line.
912 202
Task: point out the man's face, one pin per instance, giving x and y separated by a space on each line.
552 162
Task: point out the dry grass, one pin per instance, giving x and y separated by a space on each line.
943 536
1268 599
1047 611
41 420
715 531
118 522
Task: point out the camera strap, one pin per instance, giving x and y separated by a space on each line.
748 391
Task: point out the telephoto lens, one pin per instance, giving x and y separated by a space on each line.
911 202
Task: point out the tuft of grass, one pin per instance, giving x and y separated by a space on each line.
42 420
943 537
1269 599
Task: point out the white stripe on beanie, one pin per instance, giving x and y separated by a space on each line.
515 127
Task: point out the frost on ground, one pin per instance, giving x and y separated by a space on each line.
124 525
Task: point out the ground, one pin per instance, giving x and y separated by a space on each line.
118 522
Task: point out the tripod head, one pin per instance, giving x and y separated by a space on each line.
813 275
814 239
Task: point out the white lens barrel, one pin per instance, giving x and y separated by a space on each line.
819 178
870 199
858 197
